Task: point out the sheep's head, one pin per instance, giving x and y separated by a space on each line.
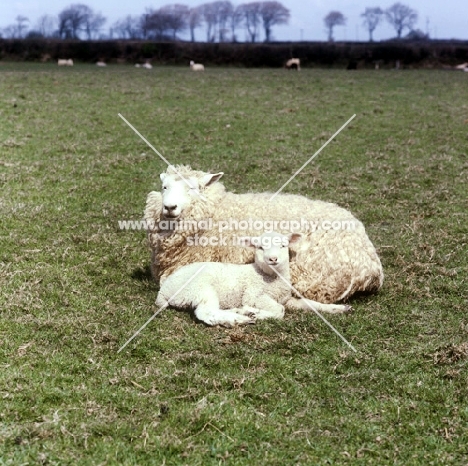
179 191
271 251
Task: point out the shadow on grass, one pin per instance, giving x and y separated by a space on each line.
360 297
142 274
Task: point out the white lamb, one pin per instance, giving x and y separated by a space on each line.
196 66
229 294
330 264
65 62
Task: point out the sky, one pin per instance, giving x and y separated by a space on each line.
446 19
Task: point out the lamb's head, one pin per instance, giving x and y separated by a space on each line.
272 252
180 188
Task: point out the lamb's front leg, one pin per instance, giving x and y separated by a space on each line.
263 307
304 304
208 311
226 318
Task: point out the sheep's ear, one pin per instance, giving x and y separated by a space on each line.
162 176
294 238
210 178
247 241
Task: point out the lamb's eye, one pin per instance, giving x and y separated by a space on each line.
164 187
261 248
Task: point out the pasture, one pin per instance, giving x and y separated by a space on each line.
74 286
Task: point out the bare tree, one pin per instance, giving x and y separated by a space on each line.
79 18
93 25
251 17
273 13
209 13
46 25
21 25
10 31
145 22
68 24
334 18
401 17
225 11
194 21
235 21
17 30
216 16
158 25
177 18
128 27
372 18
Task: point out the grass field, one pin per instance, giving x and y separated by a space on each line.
74 287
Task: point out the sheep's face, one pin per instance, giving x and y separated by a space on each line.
272 252
178 193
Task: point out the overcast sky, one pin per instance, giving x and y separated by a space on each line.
446 19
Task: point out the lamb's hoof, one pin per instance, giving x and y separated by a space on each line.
239 320
348 308
251 320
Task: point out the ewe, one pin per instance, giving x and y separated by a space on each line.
229 294
334 260
196 66
65 62
146 65
293 64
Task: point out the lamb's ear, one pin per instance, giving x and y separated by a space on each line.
210 178
162 176
294 238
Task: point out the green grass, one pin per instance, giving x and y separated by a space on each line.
74 288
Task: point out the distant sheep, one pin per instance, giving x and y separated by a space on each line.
293 64
65 62
101 63
146 65
229 294
330 264
462 67
196 66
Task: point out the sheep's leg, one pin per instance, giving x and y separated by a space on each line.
304 304
265 308
208 311
161 301
245 311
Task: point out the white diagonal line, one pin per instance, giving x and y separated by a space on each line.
160 155
318 152
315 310
161 308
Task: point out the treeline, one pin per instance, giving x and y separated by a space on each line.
223 21
312 54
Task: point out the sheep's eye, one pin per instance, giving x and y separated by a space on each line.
164 187
261 248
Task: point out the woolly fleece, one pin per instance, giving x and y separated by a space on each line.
326 266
